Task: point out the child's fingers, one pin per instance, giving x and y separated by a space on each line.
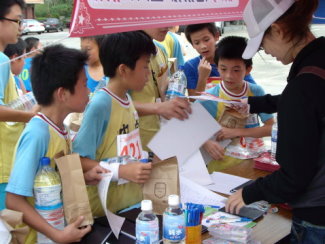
78 222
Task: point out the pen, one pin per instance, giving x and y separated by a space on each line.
128 235
144 160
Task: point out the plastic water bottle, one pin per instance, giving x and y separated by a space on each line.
274 138
173 222
48 201
147 226
177 84
24 102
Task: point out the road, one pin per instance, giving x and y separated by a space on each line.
267 71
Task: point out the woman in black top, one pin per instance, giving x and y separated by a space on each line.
281 28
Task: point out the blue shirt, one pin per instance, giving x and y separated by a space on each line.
25 74
4 75
192 73
94 84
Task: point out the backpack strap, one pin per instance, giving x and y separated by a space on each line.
313 70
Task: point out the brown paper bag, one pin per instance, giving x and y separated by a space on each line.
75 197
164 181
12 220
230 118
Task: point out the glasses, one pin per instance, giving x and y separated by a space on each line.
18 21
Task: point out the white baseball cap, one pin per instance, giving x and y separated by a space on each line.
258 17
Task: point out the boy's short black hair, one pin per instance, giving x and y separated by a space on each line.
97 39
232 47
57 66
124 48
15 49
190 29
5 6
32 42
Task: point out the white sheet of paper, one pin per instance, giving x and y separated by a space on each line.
115 222
183 138
195 193
195 169
5 236
223 183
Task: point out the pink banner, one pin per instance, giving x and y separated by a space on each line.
96 17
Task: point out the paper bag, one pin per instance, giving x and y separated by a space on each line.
11 221
230 118
75 197
164 181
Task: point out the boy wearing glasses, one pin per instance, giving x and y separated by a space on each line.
10 28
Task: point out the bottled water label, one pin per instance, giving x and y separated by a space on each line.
47 196
174 227
147 232
176 88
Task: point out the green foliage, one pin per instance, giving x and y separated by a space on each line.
54 9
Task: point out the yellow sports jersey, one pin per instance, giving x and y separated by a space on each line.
150 124
41 138
106 117
216 110
9 134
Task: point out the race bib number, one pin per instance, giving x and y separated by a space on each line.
129 144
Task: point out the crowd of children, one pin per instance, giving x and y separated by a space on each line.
127 74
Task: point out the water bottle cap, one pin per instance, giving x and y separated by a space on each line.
45 161
173 200
146 205
180 67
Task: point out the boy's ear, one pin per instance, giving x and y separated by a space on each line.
60 94
122 69
248 70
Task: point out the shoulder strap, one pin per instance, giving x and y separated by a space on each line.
313 70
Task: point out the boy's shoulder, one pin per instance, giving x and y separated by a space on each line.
255 88
3 57
100 101
193 61
37 126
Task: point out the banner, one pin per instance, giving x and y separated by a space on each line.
96 17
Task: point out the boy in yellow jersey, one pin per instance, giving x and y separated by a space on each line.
233 68
110 126
148 102
10 28
59 85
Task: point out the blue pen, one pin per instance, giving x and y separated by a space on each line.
144 160
213 206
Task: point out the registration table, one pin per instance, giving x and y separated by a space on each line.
270 229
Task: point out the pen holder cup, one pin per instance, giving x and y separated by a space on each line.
193 234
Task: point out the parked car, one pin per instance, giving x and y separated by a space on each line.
53 24
32 25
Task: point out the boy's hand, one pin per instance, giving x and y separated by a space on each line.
214 149
137 172
227 133
242 108
204 69
93 176
72 232
178 108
